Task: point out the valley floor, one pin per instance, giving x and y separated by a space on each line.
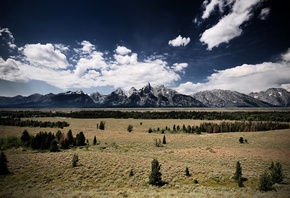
103 169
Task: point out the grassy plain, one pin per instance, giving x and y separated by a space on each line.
103 170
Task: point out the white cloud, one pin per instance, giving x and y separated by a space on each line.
10 38
229 26
179 66
179 41
264 13
245 78
9 70
121 50
45 55
286 56
89 67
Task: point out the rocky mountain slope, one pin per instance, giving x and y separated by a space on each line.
276 96
149 96
225 98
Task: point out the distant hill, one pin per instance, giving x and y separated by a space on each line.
149 96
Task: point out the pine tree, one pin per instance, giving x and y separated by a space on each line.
102 125
164 140
95 140
3 164
155 175
53 146
238 173
187 172
276 173
69 137
25 138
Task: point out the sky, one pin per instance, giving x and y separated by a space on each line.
190 46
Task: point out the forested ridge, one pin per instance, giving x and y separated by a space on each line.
275 116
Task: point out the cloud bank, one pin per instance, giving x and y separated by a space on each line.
246 78
230 25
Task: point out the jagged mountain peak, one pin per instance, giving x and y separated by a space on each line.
276 96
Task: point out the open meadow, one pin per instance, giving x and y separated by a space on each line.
103 169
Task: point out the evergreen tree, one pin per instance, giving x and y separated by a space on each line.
164 140
58 135
238 173
276 173
25 138
53 146
187 172
95 140
102 125
3 164
80 139
70 137
155 175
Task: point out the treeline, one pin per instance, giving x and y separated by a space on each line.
275 116
9 121
45 141
223 127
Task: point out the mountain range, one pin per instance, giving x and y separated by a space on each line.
149 96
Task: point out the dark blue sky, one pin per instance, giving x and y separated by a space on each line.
52 46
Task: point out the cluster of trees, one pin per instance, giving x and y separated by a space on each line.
271 176
277 116
51 141
9 121
210 127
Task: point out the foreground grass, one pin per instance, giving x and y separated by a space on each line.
103 170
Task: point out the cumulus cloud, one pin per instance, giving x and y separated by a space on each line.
179 66
87 67
179 41
245 78
45 55
264 13
9 70
121 50
229 26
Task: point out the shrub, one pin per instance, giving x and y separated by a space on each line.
130 128
265 182
75 160
157 142
241 140
195 181
3 164
131 173
155 175
150 130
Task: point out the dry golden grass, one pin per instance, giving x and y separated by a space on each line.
103 170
